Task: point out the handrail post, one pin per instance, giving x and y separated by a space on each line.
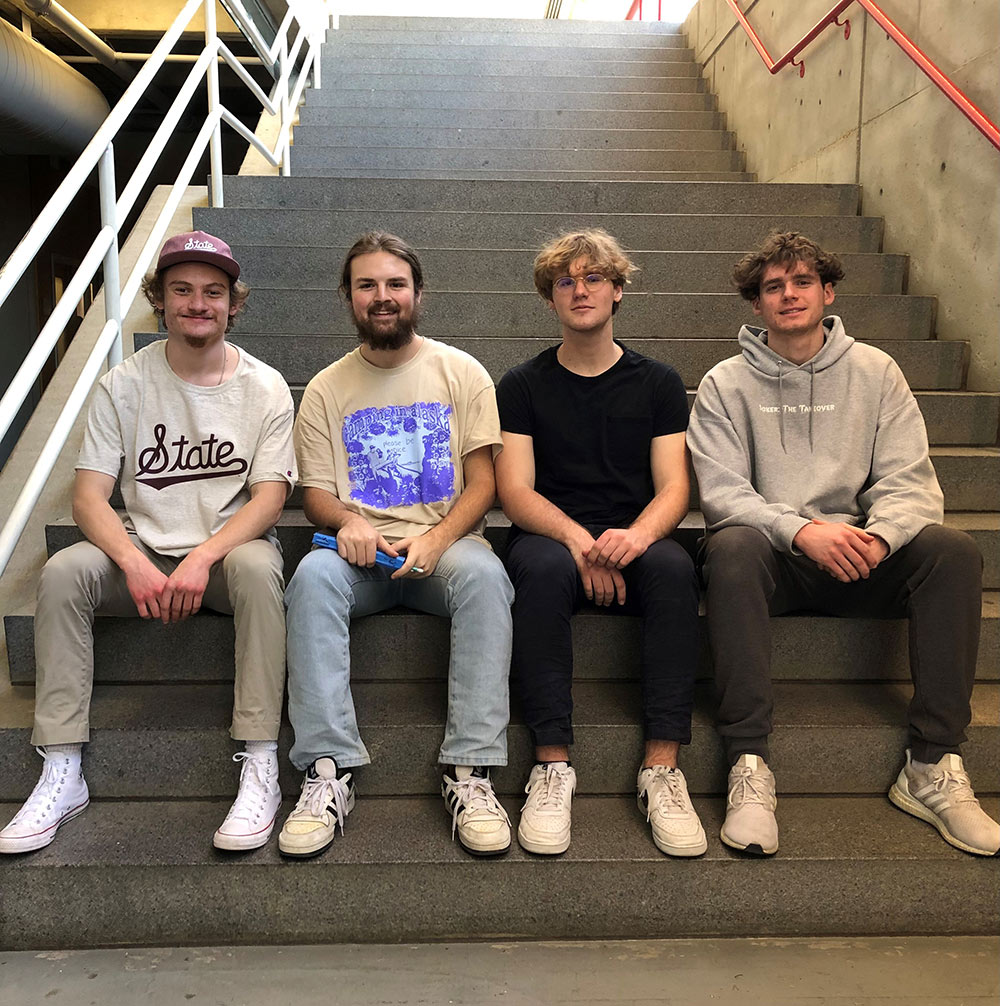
112 280
286 118
215 144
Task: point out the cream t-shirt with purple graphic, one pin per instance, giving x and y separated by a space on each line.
389 443
188 455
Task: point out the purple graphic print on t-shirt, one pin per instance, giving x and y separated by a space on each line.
398 455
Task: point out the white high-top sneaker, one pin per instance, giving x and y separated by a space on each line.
59 796
250 820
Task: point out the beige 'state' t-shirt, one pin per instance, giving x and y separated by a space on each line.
188 455
389 443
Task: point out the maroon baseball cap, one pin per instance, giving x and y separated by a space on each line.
197 246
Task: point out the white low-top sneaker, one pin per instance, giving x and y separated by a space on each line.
477 817
323 806
942 795
546 816
750 824
250 820
663 798
59 795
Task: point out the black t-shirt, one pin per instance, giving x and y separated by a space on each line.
591 435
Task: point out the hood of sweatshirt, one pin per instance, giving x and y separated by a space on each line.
760 356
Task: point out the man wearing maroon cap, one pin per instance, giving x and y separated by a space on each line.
199 434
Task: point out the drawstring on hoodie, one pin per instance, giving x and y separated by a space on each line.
781 404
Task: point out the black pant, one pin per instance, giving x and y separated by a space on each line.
935 581
661 586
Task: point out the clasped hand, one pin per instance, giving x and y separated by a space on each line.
846 552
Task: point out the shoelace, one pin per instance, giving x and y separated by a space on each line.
956 786
668 796
317 796
48 781
472 795
252 791
552 787
752 788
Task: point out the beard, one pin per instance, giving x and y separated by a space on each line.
387 334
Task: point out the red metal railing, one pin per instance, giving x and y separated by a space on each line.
974 114
636 10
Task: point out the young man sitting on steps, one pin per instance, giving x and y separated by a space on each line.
202 435
818 492
396 442
594 477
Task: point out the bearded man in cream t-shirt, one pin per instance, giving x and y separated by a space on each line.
201 433
395 443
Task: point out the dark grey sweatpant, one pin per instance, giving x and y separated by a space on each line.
935 581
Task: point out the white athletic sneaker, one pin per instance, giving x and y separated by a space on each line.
546 816
750 823
942 795
324 804
663 798
59 795
481 823
250 820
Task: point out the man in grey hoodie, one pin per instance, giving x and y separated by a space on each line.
818 493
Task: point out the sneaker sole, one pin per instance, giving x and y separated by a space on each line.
309 853
753 849
542 848
484 853
681 851
905 802
32 843
241 843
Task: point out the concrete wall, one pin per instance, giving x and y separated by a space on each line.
864 113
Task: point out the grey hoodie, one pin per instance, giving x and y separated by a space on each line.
839 438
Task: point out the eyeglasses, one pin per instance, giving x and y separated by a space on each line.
591 281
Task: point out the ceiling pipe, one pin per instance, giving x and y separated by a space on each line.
80 34
45 105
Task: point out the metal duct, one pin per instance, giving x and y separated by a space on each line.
46 107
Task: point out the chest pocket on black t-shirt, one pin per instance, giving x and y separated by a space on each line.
628 440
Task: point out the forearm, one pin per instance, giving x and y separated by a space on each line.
663 513
531 511
325 510
103 527
469 509
257 516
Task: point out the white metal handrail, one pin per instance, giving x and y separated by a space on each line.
310 19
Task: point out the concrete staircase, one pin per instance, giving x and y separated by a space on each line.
476 140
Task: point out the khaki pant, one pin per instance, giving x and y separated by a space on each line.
81 581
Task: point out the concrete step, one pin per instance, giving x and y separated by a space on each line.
319 170
509 27
352 92
542 196
846 867
340 49
643 315
459 229
611 38
486 160
378 78
930 364
606 645
493 270
172 741
454 137
513 63
325 116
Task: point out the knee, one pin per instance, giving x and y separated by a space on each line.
736 555
541 562
64 575
319 572
474 567
953 552
254 567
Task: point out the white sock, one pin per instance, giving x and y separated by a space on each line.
73 753
262 747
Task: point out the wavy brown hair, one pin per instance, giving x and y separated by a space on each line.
376 241
784 249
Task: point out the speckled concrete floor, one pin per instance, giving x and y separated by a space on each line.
912 971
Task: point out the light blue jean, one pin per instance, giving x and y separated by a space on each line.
469 585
